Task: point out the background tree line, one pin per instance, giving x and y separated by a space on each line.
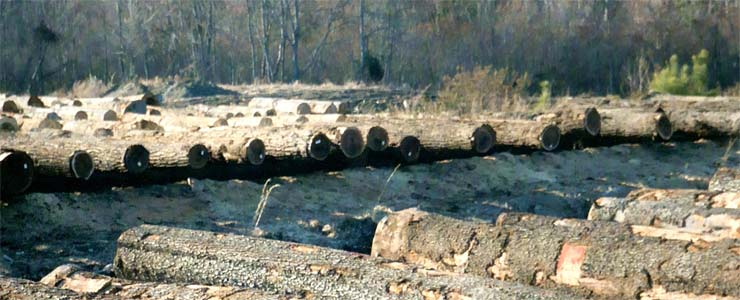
597 47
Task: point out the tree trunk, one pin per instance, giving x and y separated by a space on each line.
363 42
702 198
56 158
16 172
716 223
591 258
155 253
294 41
725 180
251 41
626 124
266 43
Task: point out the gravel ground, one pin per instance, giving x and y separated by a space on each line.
340 209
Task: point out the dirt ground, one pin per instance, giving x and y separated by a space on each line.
340 209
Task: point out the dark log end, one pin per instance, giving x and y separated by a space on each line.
110 116
343 108
50 124
271 112
410 147
136 107
229 115
592 121
239 115
483 139
301 120
550 138
8 124
53 116
82 165
150 99
377 138
155 112
256 114
136 159
198 156
16 172
331 109
303 109
81 115
351 142
103 132
147 125
319 146
34 101
10 107
220 122
77 103
663 127
265 122
254 150
342 118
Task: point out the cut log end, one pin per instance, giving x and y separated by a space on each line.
239 115
229 115
136 159
319 147
255 151
483 139
331 109
265 122
155 112
81 115
377 138
301 120
82 165
103 132
53 116
17 171
50 124
198 156
11 107
663 127
592 121
8 124
34 101
220 122
410 147
110 116
256 114
77 103
150 99
351 142
550 138
303 109
270 112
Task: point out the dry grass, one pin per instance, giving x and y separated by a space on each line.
88 88
264 196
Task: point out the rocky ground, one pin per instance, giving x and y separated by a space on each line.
340 209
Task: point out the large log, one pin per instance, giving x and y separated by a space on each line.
54 158
715 223
634 124
708 199
113 155
250 122
226 144
574 118
16 172
95 286
526 134
602 259
155 253
671 103
725 180
298 143
177 154
696 124
22 289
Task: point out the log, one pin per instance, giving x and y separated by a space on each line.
599 259
250 122
572 118
22 289
16 172
226 144
67 113
298 143
9 106
634 124
670 103
717 223
688 197
112 155
696 124
95 286
167 254
280 105
39 123
525 134
8 124
90 128
322 107
725 180
177 154
438 136
34 101
57 157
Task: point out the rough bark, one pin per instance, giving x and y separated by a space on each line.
725 180
574 119
716 223
54 158
603 259
177 154
526 134
702 198
670 103
22 289
155 253
712 124
226 144
634 124
16 172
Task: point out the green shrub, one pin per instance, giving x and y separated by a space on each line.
482 88
543 102
684 80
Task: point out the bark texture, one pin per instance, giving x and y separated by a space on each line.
22 289
726 180
712 124
708 199
57 158
526 134
603 259
574 119
155 253
634 124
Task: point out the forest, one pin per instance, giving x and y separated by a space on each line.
579 47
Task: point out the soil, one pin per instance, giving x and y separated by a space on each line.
340 209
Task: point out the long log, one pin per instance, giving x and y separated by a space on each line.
708 199
226 144
670 103
725 180
250 122
155 253
177 154
298 143
526 134
90 128
585 119
57 158
602 259
717 223
696 124
16 172
634 124
67 113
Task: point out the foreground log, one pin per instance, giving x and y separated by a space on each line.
634 124
710 223
725 180
119 156
708 199
695 124
155 253
571 119
177 154
57 158
592 258
298 143
526 134
16 172
22 289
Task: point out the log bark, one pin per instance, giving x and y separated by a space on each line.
526 134
22 289
725 180
67 113
177 154
688 197
33 124
16 172
94 286
298 143
54 158
226 145
600 259
155 253
713 124
717 223
322 107
670 103
574 119
634 124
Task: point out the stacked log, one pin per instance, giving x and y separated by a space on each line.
600 259
155 253
574 119
281 106
9 106
58 158
226 145
634 124
725 180
526 134
712 124
16 172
